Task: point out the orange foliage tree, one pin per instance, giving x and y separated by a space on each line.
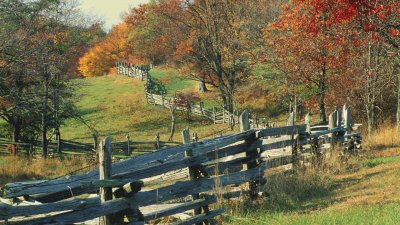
154 37
103 55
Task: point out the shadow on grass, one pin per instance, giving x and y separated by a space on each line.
354 181
150 125
88 111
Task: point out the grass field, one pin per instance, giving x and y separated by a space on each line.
179 83
369 214
172 81
115 106
368 194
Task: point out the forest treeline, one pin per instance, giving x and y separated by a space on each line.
303 54
298 55
41 42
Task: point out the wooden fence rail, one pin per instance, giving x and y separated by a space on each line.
128 147
205 168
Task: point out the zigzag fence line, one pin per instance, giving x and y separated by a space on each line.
204 169
215 114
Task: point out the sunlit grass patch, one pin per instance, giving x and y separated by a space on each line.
384 137
379 161
372 214
14 169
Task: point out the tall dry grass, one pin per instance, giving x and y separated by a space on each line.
386 136
307 187
14 169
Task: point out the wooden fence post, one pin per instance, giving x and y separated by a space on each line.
307 121
202 108
105 174
244 122
237 116
128 150
290 122
332 125
215 115
223 114
338 117
95 136
195 139
347 118
186 136
117 66
158 141
294 148
256 121
192 170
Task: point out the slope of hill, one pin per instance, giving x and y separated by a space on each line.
115 105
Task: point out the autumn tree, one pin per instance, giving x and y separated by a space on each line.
153 35
378 40
34 90
80 39
103 55
221 43
310 45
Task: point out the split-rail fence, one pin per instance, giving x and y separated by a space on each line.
211 168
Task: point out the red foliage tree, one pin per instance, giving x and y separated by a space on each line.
310 44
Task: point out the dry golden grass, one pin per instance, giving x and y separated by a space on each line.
371 185
385 136
14 169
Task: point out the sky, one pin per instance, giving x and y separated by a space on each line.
109 10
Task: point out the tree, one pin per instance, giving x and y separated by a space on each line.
310 45
32 56
103 55
223 41
153 35
218 41
379 23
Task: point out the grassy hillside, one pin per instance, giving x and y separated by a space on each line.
115 105
179 83
367 194
172 81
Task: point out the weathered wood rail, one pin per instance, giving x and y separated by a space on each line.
128 147
211 165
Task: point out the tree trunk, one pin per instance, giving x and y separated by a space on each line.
322 89
398 97
17 120
202 86
17 129
371 118
44 113
398 105
173 121
370 93
58 139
